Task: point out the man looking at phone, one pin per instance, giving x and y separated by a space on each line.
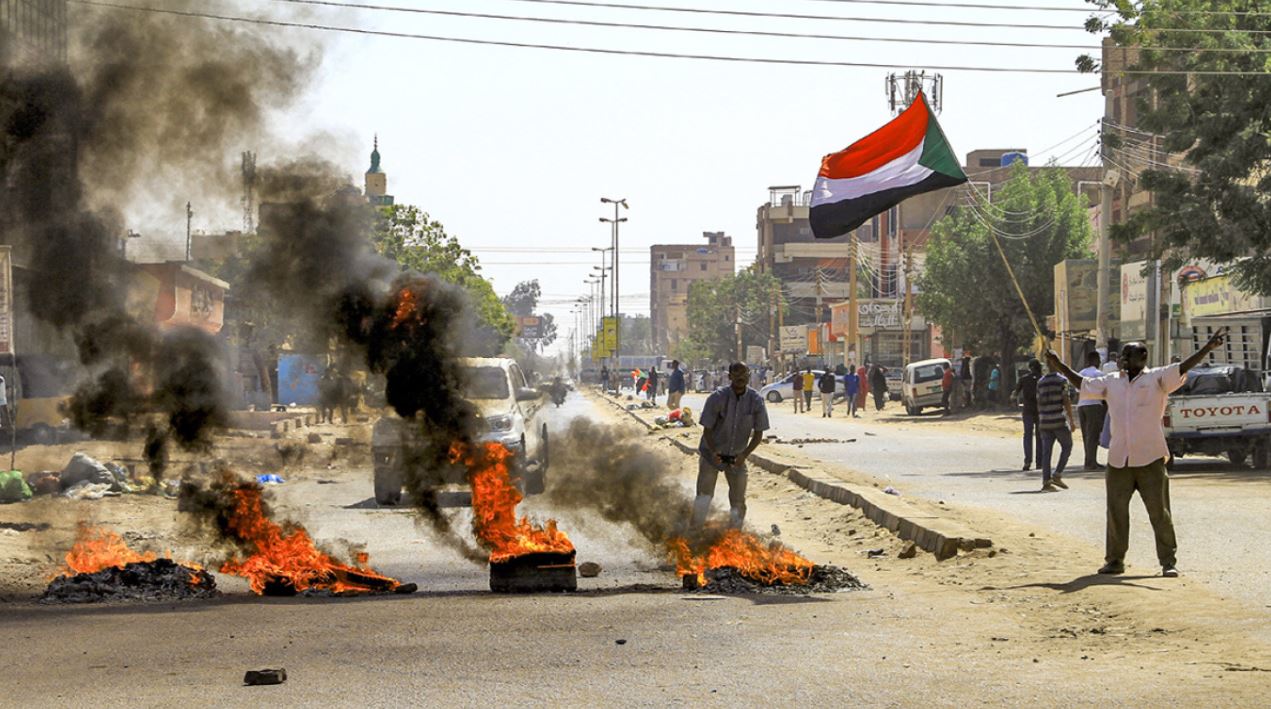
733 421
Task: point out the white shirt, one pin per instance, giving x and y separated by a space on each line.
1088 373
1135 409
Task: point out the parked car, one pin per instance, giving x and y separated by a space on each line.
783 388
511 414
1220 411
921 385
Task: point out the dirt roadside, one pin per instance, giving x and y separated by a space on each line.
1030 597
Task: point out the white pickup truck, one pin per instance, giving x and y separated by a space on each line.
1220 411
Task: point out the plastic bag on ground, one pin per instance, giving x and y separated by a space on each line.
12 487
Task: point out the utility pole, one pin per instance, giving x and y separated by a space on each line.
852 314
1110 178
772 324
737 330
189 219
781 318
616 222
908 255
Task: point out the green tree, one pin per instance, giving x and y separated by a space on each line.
714 309
407 235
635 335
522 302
1215 204
1040 221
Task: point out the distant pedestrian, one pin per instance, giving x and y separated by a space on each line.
641 382
328 395
809 388
604 377
653 383
862 375
1136 397
995 382
674 386
796 381
1026 394
965 377
827 385
1056 422
851 387
946 386
733 421
878 385
1091 412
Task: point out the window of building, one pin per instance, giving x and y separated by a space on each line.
675 285
990 162
703 265
728 258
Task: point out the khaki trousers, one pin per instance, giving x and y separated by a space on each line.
673 399
1152 482
707 476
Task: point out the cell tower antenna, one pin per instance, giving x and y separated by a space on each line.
249 192
902 89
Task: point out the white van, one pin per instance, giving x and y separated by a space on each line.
922 385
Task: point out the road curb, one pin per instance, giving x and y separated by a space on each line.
941 537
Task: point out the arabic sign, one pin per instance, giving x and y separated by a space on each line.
1219 296
1134 301
794 338
611 335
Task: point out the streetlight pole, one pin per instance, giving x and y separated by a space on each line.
615 222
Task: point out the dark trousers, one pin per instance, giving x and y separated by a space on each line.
807 400
1032 439
1049 436
1152 482
1091 416
944 399
880 395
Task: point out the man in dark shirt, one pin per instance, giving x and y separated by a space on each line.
1026 393
675 386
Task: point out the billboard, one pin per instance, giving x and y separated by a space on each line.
1076 295
1135 300
1219 296
610 330
531 327
794 338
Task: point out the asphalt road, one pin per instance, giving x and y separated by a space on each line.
906 641
1222 513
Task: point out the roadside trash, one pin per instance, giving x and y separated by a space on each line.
909 552
621 641
262 677
12 487
875 553
891 491
776 531
86 490
84 468
589 569
269 479
45 482
315 438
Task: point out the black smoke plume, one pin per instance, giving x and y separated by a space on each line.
141 120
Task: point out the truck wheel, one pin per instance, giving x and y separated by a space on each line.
913 410
774 397
388 483
1261 455
1237 456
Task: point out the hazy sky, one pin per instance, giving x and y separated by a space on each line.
512 148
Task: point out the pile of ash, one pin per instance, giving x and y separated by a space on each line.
158 580
728 580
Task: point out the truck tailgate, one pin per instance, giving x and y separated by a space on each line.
1222 413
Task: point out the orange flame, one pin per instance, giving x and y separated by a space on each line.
494 501
289 555
407 302
98 548
768 563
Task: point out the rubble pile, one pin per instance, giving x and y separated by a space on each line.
157 580
730 580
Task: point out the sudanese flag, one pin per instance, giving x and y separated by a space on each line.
906 157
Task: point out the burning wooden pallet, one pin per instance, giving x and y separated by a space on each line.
538 572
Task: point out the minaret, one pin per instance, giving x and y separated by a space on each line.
376 180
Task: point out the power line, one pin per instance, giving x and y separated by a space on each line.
630 52
1041 8
840 18
748 33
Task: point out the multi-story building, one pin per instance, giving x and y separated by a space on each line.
673 269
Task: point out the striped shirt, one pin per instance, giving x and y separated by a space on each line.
1052 391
